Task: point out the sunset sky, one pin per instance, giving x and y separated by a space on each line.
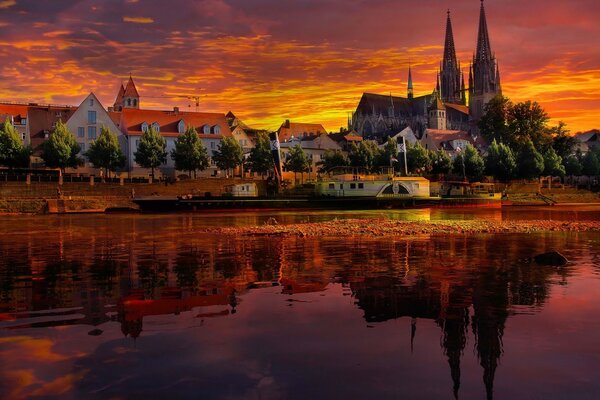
306 60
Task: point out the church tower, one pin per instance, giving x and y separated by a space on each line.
410 91
484 78
131 98
437 113
118 106
450 90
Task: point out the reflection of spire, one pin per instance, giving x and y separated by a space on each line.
413 331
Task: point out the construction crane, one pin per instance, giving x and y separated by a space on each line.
196 99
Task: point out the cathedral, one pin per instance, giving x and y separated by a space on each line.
451 106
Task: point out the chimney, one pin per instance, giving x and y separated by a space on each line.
176 110
287 123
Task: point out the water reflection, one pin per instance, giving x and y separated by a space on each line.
127 273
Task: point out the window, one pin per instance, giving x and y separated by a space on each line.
23 121
91 117
81 132
91 102
129 102
217 129
137 143
206 129
341 186
144 127
353 186
331 186
212 145
361 185
156 127
58 114
134 102
81 147
181 126
91 132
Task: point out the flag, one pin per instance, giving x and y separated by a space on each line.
401 148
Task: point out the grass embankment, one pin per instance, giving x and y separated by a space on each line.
386 227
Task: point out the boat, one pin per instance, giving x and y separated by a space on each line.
469 194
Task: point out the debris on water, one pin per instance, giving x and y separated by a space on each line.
551 258
271 221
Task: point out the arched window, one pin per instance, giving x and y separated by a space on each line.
181 126
144 127
156 127
217 130
129 102
135 102
206 129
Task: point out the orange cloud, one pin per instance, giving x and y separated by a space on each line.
138 20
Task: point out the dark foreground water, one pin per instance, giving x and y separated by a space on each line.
133 307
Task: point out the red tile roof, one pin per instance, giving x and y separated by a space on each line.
130 90
14 110
168 121
288 129
458 107
119 98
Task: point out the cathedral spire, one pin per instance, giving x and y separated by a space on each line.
449 49
410 90
484 50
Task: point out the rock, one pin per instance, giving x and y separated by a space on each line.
551 258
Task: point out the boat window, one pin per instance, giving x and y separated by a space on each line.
331 186
361 185
353 186
341 186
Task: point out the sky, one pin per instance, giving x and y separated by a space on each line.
304 60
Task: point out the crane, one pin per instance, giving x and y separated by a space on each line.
195 98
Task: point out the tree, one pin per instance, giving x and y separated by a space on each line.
553 163
563 143
261 158
530 161
590 164
527 121
229 155
470 163
363 155
386 156
297 160
494 122
189 153
12 151
61 149
500 162
417 159
151 152
105 152
441 163
572 165
332 159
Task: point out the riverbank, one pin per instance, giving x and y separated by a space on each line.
387 227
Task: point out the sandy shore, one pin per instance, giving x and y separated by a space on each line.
386 227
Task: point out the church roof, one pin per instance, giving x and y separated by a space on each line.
458 107
382 104
130 89
484 49
119 98
437 104
449 49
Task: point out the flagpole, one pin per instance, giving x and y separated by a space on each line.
405 164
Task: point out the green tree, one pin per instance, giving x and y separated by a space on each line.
385 157
500 162
417 159
229 155
530 161
297 161
470 163
13 153
61 149
261 158
441 163
572 165
527 121
562 142
364 154
105 152
189 153
493 125
332 159
590 164
553 163
152 150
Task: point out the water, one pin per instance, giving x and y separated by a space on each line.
136 306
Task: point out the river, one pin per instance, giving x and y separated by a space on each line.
152 306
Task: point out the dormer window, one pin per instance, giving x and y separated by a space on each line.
144 127
181 126
156 127
217 130
206 129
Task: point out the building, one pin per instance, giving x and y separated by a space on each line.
87 121
588 140
41 120
293 130
378 116
17 115
211 128
451 140
313 146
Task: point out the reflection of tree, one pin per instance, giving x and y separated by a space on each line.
153 274
187 264
104 273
